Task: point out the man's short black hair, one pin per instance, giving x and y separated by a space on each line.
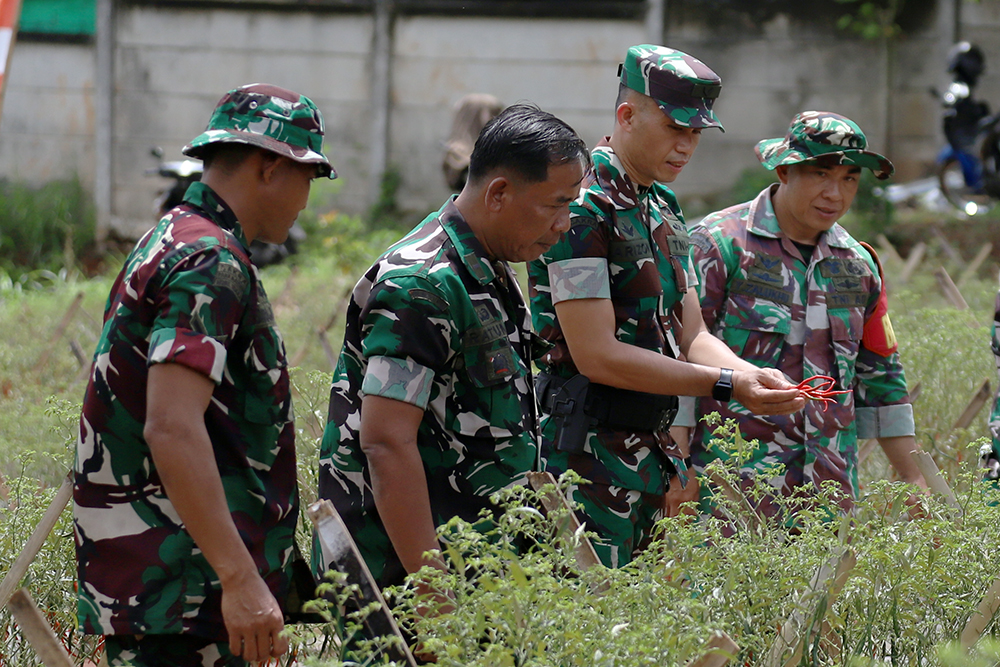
525 140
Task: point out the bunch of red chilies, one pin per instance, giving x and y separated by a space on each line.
821 392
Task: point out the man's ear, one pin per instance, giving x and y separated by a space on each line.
497 191
625 113
781 171
269 163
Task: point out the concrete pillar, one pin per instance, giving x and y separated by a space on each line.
104 90
654 21
382 47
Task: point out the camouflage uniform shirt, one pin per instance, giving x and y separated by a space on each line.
437 324
995 345
776 311
187 295
626 243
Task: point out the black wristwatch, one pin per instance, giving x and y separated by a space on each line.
723 389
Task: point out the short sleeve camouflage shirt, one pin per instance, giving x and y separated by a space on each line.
626 243
437 324
187 295
995 346
803 317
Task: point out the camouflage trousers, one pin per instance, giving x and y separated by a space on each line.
168 651
622 518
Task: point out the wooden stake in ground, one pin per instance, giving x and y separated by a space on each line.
36 540
981 618
935 482
976 403
735 495
37 631
584 553
951 292
338 549
974 265
800 628
721 649
913 261
58 333
341 308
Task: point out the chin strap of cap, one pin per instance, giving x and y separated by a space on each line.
878 334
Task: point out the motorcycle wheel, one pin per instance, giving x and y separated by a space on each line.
962 197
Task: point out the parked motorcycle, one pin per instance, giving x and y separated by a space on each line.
968 168
185 172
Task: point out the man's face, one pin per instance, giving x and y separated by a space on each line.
813 196
289 193
534 215
659 147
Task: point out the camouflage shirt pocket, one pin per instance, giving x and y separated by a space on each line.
755 328
846 330
491 363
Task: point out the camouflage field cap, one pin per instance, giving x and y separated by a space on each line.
683 86
813 134
269 117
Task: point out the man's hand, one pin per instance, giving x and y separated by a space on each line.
765 391
253 619
676 495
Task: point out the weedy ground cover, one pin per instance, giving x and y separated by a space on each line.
915 583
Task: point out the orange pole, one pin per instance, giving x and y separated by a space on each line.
10 11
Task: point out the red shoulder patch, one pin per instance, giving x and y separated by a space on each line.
878 335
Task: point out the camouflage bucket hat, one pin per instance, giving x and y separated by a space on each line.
269 117
814 134
684 87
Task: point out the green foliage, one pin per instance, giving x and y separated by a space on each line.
43 228
872 19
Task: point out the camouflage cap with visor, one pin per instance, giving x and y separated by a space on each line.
268 117
814 134
684 87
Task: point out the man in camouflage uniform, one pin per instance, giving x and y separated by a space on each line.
611 298
990 454
432 407
785 286
185 494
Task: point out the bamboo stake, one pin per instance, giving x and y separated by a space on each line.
831 576
949 249
286 290
734 495
981 618
935 482
342 305
913 262
974 265
37 631
58 333
721 649
951 292
36 540
340 551
979 399
885 245
554 500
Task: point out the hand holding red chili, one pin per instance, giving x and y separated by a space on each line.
821 392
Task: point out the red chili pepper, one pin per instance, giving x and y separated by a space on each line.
821 392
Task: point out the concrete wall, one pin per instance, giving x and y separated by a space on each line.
173 64
47 125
